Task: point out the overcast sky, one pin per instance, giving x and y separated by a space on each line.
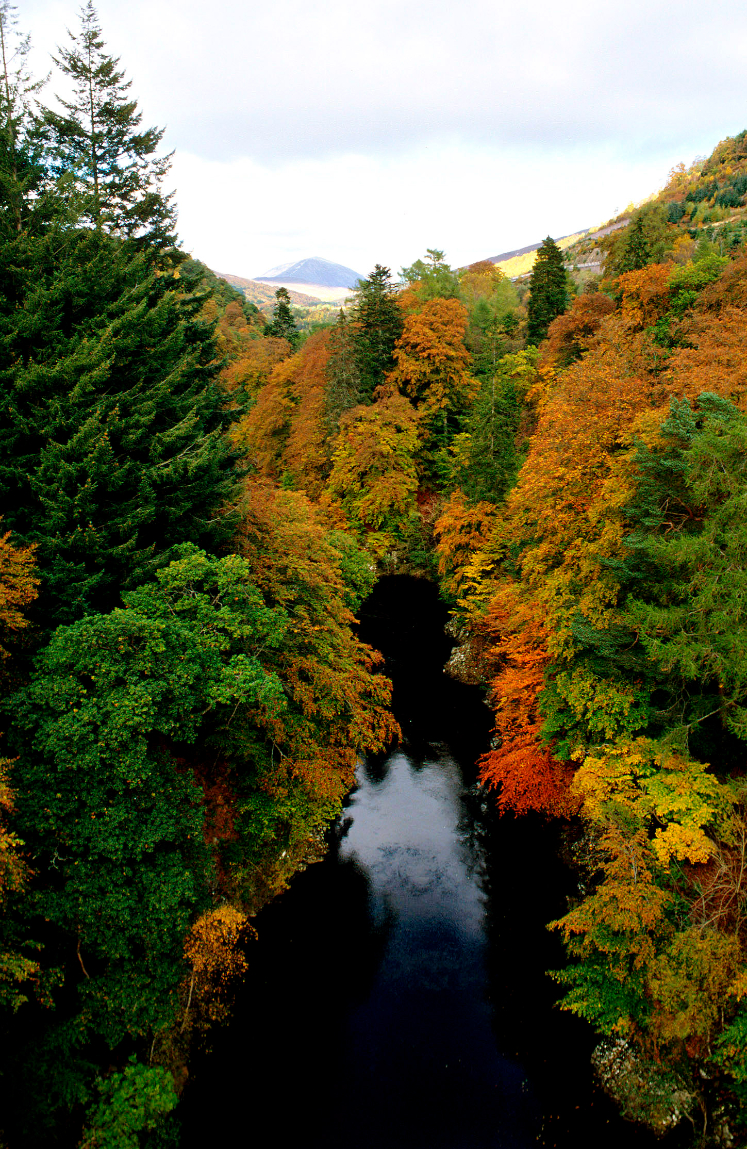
369 131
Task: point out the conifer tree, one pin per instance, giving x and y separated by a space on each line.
343 377
111 420
283 324
21 169
378 326
98 139
549 290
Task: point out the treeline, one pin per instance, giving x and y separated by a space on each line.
183 695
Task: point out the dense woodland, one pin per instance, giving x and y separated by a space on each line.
195 500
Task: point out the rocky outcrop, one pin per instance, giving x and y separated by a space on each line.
466 663
643 1091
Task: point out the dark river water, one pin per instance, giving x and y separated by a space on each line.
397 997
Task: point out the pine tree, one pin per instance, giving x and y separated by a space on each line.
549 290
283 324
99 141
378 325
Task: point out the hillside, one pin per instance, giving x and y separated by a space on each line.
263 295
520 262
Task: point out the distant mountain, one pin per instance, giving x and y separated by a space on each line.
312 272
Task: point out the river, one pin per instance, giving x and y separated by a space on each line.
397 997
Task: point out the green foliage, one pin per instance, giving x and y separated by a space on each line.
643 241
432 277
377 322
112 445
343 373
103 790
697 627
548 285
283 325
98 143
486 460
130 1103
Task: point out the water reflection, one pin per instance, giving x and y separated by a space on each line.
423 1055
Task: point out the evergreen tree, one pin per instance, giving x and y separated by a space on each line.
111 420
378 325
112 446
283 324
343 377
99 141
548 285
21 169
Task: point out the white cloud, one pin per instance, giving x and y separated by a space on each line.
241 216
366 132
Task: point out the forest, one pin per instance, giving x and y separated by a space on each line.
195 501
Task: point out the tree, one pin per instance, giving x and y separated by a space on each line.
374 476
112 423
21 167
432 277
642 242
129 1103
486 459
377 322
548 286
18 583
343 374
432 369
283 325
98 141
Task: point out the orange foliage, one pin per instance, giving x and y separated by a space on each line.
645 295
213 949
432 362
572 333
717 331
284 433
340 706
525 772
255 363
461 529
306 455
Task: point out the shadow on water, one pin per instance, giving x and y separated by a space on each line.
397 997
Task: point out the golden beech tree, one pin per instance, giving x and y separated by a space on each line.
462 530
306 458
432 362
18 583
374 477
213 949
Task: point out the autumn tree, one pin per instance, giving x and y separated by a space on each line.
374 475
432 369
548 287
